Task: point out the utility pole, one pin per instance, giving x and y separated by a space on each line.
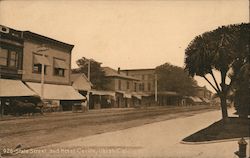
88 93
1 103
89 70
156 90
42 49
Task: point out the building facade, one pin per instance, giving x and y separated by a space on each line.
149 88
57 59
11 53
124 86
23 58
147 79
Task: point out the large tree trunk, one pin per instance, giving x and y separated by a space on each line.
223 96
224 107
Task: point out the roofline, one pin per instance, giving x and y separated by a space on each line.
138 69
124 77
48 39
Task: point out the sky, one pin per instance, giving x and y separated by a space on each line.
124 33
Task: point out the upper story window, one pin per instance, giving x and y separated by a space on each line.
37 68
13 60
142 77
3 57
149 86
141 87
59 67
8 58
38 61
135 87
128 85
119 84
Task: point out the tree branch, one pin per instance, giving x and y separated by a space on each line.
216 83
211 84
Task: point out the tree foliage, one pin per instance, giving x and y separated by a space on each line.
242 91
224 49
97 75
174 78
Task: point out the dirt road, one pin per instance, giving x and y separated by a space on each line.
35 131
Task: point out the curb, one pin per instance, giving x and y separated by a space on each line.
213 141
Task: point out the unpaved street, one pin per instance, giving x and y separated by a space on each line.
35 131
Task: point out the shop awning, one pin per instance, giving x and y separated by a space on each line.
125 94
56 92
60 64
98 92
206 100
196 99
14 88
39 59
137 96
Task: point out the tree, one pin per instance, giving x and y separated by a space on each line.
174 78
242 89
97 75
221 49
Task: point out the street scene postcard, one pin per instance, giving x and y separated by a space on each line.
124 79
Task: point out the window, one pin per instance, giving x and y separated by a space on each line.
3 57
135 87
13 60
37 68
142 77
141 87
127 84
8 58
59 72
149 86
119 85
59 67
38 60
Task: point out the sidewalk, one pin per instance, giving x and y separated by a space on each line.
161 139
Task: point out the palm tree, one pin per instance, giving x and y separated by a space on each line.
219 50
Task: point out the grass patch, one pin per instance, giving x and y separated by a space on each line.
234 128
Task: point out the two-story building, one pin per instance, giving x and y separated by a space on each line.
25 59
120 90
11 65
56 59
125 87
148 85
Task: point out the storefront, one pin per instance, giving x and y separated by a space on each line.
66 96
13 89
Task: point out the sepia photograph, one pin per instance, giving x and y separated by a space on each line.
124 79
